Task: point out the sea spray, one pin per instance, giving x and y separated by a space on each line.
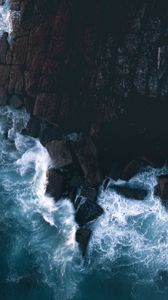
42 252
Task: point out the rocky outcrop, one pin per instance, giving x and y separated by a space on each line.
96 68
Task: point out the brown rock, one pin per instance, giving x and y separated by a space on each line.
4 46
45 107
55 184
37 46
31 82
86 154
60 153
20 50
15 80
82 237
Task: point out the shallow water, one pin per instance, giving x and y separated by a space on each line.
127 257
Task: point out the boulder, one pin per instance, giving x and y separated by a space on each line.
129 192
87 211
163 189
130 170
86 154
82 237
55 184
60 153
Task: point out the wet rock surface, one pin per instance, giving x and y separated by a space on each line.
98 69
82 237
136 193
87 211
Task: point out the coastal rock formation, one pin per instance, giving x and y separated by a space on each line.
97 69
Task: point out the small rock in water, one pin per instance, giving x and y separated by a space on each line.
82 237
163 189
88 211
125 190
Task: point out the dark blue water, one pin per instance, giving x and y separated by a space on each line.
127 257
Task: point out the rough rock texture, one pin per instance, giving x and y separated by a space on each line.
99 67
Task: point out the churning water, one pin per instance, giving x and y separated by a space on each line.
127 257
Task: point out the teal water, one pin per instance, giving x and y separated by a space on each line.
127 257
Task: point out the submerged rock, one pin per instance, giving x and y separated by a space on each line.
129 192
82 237
87 211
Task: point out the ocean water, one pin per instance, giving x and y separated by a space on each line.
127 257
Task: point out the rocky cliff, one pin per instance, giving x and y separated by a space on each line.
96 67
94 77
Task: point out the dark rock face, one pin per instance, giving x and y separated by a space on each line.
60 153
87 211
162 189
85 59
86 154
82 237
130 192
97 68
55 184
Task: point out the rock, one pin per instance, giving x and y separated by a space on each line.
15 101
20 50
82 237
55 184
38 42
4 76
3 97
87 211
60 153
49 132
4 46
130 170
45 107
31 82
33 127
16 81
86 154
163 188
125 190
89 192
